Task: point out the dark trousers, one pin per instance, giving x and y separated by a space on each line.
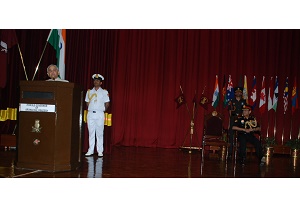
231 135
243 139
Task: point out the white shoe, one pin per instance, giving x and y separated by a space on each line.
100 154
88 154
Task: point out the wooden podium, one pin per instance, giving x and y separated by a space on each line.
50 126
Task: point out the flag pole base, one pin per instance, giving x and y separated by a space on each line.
190 149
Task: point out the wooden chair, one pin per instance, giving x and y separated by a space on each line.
214 135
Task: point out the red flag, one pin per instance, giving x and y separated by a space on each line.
262 98
204 101
252 99
180 100
8 39
224 91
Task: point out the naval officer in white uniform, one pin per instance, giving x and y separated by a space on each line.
97 100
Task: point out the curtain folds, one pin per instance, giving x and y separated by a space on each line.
145 70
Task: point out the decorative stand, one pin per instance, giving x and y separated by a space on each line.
191 131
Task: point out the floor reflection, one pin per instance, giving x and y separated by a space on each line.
94 165
129 162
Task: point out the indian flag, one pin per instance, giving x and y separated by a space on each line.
57 38
216 97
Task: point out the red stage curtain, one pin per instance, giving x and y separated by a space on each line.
151 65
144 70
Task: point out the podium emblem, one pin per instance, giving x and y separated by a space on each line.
37 127
36 141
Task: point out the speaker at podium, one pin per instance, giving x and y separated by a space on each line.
50 135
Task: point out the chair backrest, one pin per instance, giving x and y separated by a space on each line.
213 124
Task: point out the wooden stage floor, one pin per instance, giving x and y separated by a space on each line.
137 162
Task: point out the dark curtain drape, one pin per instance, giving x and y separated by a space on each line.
151 65
144 70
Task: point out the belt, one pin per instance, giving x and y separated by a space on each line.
94 111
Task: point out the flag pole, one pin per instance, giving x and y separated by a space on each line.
202 94
22 62
268 125
291 128
283 130
194 120
186 104
189 116
275 126
37 67
192 126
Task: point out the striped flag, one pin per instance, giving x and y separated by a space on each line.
245 90
295 104
270 96
275 96
252 100
229 91
57 38
224 92
286 95
262 98
216 97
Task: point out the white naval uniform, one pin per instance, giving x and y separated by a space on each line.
95 117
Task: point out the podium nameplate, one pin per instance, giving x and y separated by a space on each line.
29 107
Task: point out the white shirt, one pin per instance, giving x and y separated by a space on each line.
97 99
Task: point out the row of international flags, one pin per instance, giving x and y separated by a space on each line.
263 101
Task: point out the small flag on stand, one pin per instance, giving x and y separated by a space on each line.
204 101
180 100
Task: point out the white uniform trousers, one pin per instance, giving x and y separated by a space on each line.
95 122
